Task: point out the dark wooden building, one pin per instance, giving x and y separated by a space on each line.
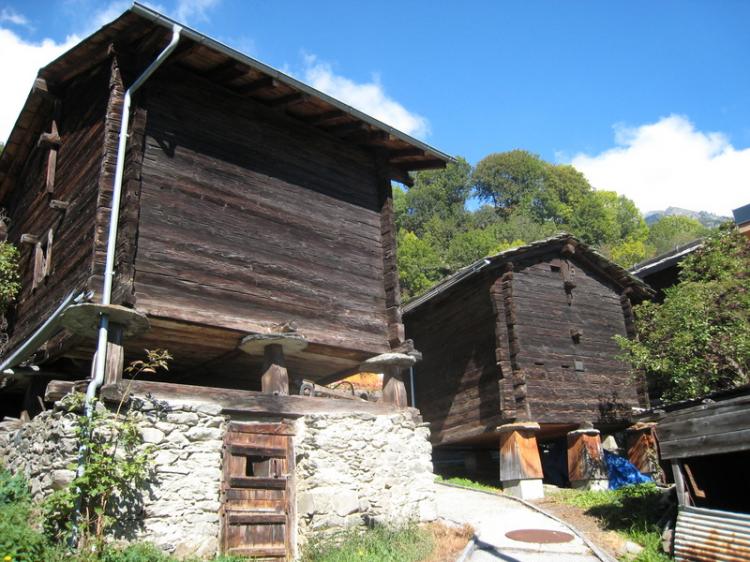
663 271
251 204
526 335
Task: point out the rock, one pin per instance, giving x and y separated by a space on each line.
152 435
61 478
633 548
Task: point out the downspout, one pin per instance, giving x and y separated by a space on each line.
109 267
114 219
411 384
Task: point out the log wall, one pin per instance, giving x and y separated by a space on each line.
247 219
77 170
458 385
546 321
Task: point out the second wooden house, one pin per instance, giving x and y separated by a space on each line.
525 337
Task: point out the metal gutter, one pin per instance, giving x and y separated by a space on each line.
202 39
665 260
456 278
43 333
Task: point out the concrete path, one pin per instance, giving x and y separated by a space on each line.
492 516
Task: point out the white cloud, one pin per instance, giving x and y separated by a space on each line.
671 163
18 66
369 97
11 16
187 10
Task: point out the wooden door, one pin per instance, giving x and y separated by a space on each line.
258 515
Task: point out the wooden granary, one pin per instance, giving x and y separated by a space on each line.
252 206
526 337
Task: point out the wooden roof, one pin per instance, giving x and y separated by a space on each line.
584 254
142 33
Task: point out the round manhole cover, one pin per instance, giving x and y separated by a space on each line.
539 536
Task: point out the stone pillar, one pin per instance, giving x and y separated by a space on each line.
642 449
274 346
520 463
586 467
392 366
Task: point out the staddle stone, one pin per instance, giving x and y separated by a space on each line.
254 344
83 319
379 363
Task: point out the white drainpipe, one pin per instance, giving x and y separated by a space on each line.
114 219
109 268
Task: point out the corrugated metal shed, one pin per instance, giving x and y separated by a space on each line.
712 535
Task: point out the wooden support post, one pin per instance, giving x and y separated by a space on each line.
115 360
275 379
520 464
586 466
84 319
394 390
392 365
683 498
643 451
274 347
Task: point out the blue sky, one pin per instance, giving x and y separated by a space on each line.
646 98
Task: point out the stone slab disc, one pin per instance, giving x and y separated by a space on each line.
83 319
254 344
379 362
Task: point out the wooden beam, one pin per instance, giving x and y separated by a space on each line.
320 118
344 128
366 137
424 164
401 176
243 402
29 239
287 100
59 205
228 70
259 84
50 140
405 152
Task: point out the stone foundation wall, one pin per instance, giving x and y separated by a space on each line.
351 469
354 469
179 511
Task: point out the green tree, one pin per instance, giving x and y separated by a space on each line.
670 232
698 339
419 265
510 180
436 193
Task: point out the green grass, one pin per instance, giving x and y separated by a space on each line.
379 544
633 511
466 483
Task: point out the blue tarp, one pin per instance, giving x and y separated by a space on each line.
622 472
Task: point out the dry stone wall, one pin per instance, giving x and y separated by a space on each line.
179 510
355 469
351 469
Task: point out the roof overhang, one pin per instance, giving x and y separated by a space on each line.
146 31
618 275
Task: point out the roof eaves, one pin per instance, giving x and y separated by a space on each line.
198 37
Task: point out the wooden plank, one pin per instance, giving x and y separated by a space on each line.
257 482
731 418
258 552
241 402
248 450
255 518
261 428
728 442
